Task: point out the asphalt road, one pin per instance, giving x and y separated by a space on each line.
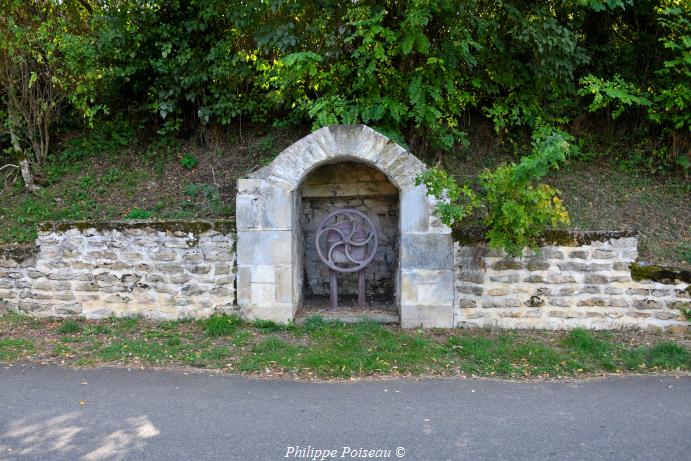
51 413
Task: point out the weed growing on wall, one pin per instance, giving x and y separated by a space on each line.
516 209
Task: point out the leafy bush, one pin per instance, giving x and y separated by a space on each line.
418 71
517 210
189 161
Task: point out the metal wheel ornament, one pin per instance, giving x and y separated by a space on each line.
351 241
351 244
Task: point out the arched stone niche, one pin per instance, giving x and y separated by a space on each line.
354 185
270 245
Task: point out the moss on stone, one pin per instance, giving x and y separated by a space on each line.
557 237
195 227
18 253
659 273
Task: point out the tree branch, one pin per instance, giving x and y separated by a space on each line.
86 6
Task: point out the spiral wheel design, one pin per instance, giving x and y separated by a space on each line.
346 240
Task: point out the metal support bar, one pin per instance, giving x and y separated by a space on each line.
361 302
333 282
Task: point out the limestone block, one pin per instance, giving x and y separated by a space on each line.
261 204
426 251
265 247
262 273
284 285
506 278
427 287
243 285
279 313
430 316
414 210
648 304
263 294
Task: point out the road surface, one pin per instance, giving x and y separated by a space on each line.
53 413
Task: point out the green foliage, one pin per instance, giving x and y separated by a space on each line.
518 210
666 94
47 58
453 201
418 71
268 325
673 92
612 93
583 342
189 161
212 199
412 69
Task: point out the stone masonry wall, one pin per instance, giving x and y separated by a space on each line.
583 281
351 185
160 270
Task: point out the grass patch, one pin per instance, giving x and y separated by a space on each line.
69 327
221 325
668 355
327 349
13 349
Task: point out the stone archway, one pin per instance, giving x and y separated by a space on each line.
269 247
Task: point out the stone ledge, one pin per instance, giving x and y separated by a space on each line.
558 237
659 273
194 226
18 253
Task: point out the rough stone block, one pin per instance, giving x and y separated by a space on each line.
534 278
603 254
596 301
470 289
537 265
595 278
473 277
506 278
649 304
466 303
505 264
560 278
572 266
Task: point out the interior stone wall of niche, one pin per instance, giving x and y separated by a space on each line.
354 185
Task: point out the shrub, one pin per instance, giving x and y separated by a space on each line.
189 161
517 210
